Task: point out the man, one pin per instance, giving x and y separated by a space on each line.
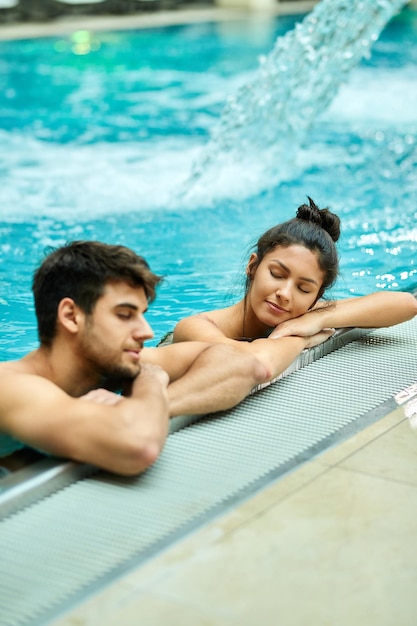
90 301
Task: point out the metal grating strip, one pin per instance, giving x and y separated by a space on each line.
38 480
60 549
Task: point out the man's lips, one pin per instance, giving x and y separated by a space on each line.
135 354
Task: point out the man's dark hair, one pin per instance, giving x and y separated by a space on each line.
80 270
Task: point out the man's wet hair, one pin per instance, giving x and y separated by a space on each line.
80 270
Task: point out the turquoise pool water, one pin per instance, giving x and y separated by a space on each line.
99 132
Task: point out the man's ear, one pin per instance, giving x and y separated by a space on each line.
69 315
252 265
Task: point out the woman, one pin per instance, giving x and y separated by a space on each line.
294 263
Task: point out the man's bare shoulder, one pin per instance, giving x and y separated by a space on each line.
19 379
20 367
8 368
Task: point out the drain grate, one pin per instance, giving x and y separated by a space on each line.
62 548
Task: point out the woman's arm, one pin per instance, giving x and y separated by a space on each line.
277 354
274 354
373 311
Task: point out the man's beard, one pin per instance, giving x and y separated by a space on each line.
103 362
118 379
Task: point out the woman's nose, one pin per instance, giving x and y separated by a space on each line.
284 290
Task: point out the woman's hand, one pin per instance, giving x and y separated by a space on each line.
321 337
304 326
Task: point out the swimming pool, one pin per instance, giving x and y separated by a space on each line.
99 131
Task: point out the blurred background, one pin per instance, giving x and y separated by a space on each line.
40 10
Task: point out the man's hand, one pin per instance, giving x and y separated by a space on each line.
102 396
149 375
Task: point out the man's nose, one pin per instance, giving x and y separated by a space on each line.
143 330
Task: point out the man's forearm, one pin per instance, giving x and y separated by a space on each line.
219 378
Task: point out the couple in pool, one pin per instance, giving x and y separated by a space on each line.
93 393
293 265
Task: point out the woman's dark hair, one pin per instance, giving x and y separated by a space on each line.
80 270
315 229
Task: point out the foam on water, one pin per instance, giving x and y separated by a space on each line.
89 180
147 175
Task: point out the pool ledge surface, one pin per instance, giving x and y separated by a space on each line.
307 487
332 542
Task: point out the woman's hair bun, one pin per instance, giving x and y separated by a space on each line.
329 221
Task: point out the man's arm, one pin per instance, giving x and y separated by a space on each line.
124 437
218 377
206 378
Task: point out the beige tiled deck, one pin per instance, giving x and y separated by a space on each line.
332 543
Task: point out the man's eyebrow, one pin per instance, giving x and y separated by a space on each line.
129 305
287 269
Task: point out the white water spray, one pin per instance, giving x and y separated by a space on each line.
264 124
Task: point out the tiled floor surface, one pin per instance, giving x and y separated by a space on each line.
334 543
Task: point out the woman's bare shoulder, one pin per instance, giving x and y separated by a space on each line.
207 326
196 327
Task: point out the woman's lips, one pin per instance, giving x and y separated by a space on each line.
276 308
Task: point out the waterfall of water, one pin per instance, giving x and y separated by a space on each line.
267 120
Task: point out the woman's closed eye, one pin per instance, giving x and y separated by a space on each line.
276 274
